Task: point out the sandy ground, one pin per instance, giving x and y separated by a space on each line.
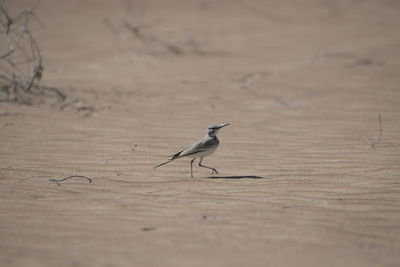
301 82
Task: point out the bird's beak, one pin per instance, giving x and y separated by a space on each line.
223 125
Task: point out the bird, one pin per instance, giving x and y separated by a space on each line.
200 149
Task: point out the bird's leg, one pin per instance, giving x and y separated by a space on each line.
213 169
191 167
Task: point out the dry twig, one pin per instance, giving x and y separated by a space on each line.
21 64
130 25
376 139
59 181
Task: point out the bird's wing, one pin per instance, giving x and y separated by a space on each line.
200 146
193 148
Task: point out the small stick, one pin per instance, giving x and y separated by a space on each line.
376 139
59 181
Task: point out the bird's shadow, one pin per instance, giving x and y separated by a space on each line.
236 177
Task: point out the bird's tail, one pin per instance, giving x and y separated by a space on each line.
162 163
171 158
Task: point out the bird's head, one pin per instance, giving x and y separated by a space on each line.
213 130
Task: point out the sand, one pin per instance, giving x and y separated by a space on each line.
302 84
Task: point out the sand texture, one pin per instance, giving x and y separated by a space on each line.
302 84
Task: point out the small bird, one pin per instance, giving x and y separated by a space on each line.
200 149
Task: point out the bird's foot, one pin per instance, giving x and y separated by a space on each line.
214 171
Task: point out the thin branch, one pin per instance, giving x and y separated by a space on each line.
59 181
148 39
128 24
38 68
60 95
11 48
376 139
25 14
23 60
